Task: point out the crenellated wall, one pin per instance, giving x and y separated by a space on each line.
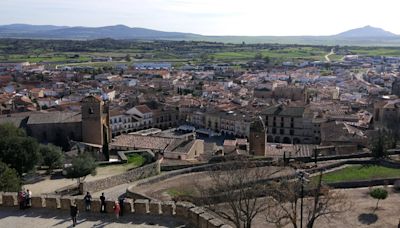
197 216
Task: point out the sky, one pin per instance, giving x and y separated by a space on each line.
210 17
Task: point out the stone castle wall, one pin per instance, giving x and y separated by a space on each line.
132 175
197 216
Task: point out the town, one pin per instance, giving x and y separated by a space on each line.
162 128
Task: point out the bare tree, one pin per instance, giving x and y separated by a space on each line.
237 191
319 202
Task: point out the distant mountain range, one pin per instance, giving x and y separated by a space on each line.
367 35
366 32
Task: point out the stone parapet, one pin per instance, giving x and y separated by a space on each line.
38 202
155 207
141 206
194 215
9 199
197 216
168 208
182 209
52 202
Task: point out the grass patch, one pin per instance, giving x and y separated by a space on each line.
359 172
136 160
173 192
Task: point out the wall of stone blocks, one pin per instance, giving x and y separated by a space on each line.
168 208
182 209
110 206
52 202
9 199
197 216
155 207
141 206
194 214
132 175
65 202
128 206
38 202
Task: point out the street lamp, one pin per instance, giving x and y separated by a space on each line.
303 177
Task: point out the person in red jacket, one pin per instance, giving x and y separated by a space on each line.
117 209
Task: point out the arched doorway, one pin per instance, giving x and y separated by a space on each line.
277 139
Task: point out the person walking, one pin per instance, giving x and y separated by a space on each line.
103 203
117 209
88 201
21 199
121 205
74 213
28 198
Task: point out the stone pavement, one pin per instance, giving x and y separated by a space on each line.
41 218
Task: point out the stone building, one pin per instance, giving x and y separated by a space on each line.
90 126
257 138
396 87
387 113
95 121
290 124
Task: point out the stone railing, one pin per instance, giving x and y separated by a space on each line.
197 216
130 176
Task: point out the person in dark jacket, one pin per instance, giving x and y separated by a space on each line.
74 212
88 201
121 205
103 203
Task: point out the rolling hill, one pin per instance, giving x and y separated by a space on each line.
365 36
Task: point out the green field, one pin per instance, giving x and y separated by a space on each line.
360 172
284 53
335 57
393 51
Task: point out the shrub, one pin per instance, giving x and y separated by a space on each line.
379 194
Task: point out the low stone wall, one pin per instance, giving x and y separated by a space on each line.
363 183
197 216
132 175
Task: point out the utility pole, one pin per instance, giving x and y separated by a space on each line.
302 176
301 203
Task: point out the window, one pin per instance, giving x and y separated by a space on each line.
281 131
273 130
91 111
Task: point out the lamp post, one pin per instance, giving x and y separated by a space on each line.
303 177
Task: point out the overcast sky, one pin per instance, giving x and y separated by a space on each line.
211 17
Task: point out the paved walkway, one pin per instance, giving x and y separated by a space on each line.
41 218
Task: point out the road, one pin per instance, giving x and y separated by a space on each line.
360 77
329 54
